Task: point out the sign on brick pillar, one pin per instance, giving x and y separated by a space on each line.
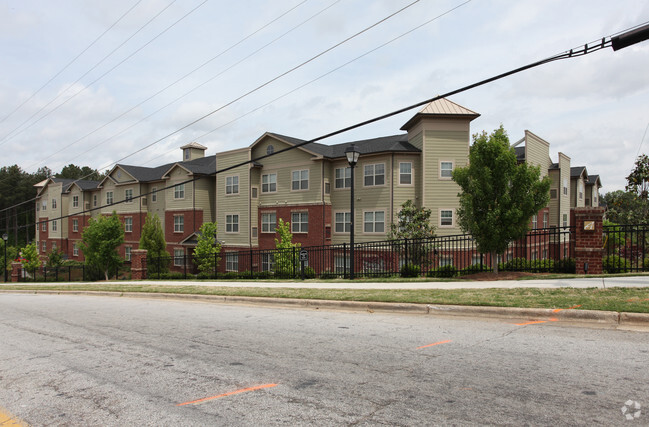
16 271
138 264
588 239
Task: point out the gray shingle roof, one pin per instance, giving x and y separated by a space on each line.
394 143
576 171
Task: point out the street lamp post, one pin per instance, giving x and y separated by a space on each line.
5 237
352 157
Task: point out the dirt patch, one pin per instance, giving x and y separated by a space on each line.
503 275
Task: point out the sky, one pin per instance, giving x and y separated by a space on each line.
96 83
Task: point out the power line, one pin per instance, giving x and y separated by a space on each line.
572 53
70 63
4 139
179 80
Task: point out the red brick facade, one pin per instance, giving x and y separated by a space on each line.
588 239
319 225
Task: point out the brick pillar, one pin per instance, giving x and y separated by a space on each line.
588 239
138 264
16 271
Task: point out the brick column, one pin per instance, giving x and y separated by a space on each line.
588 239
138 264
16 271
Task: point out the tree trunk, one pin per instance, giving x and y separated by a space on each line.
494 262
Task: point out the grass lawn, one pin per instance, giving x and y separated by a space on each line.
634 300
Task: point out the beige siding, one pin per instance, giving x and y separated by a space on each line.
537 152
205 197
555 185
156 207
564 209
438 192
404 192
233 204
177 176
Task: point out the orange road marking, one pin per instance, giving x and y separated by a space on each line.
534 322
637 300
230 393
556 310
436 343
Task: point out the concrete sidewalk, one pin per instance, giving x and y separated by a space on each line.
581 282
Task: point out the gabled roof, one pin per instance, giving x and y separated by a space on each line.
594 179
200 166
394 143
84 185
577 171
442 108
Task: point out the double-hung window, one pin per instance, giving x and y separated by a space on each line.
445 170
128 224
232 261
54 225
179 191
374 222
109 197
53 204
300 222
75 225
269 183
232 223
75 201
232 185
154 194
374 174
179 257
127 253
268 222
343 222
446 217
405 173
343 177
128 195
300 180
179 223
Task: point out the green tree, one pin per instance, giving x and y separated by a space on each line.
638 180
498 195
414 224
625 207
153 240
54 258
12 253
207 248
30 258
100 240
286 259
72 171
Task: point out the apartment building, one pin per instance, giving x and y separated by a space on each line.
306 184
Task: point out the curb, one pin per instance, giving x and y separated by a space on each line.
612 318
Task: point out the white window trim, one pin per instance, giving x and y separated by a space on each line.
335 223
308 178
228 262
75 201
452 225
261 182
262 222
128 199
385 222
53 204
125 228
75 249
344 187
385 175
179 260
112 199
412 175
75 225
446 178
154 195
238 185
293 223
127 252
176 189
183 223
238 222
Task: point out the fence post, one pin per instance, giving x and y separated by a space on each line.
588 240
16 271
293 262
344 261
405 241
250 264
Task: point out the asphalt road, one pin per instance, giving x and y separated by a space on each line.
80 360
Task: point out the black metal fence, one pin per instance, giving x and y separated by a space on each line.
72 273
542 250
625 248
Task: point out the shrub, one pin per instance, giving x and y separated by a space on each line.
566 265
329 275
204 275
473 269
613 264
646 264
309 273
516 264
410 270
263 275
230 275
444 271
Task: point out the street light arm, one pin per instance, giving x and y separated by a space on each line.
630 37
